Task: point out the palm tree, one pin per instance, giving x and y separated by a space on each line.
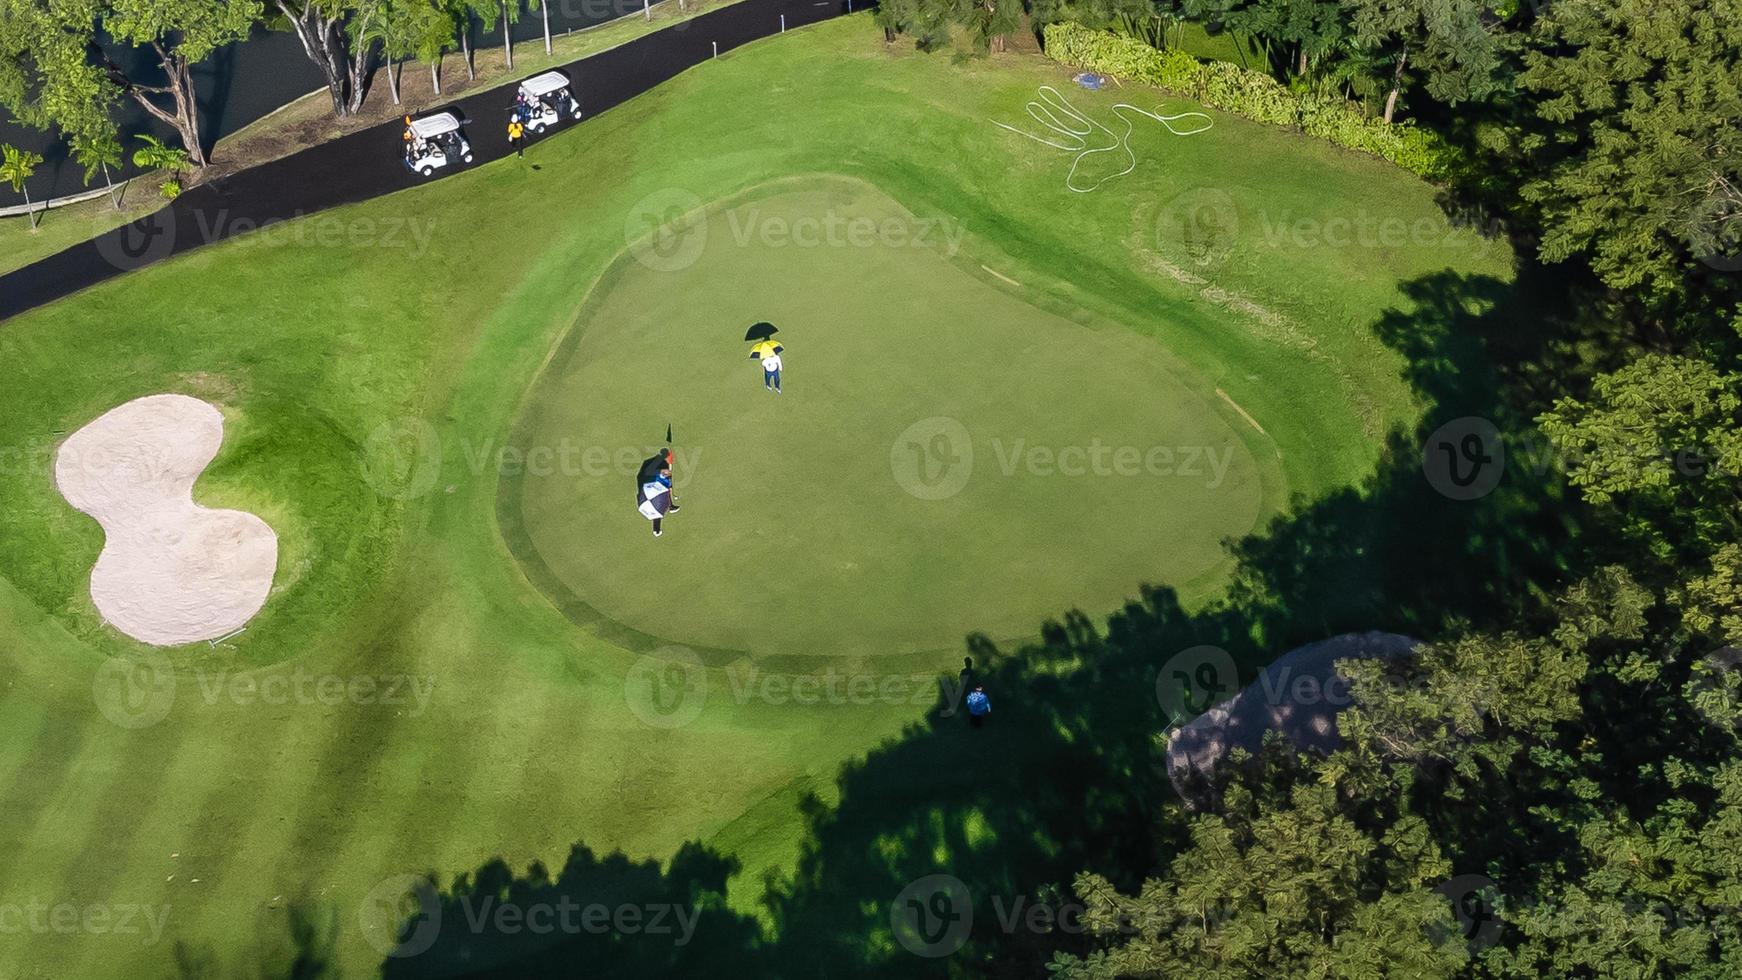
510 17
16 167
99 151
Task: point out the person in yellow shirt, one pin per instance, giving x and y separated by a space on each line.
517 137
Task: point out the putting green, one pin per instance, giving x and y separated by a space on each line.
946 457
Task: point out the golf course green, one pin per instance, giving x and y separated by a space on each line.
1002 399
944 458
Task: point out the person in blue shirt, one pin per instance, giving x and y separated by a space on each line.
653 496
979 706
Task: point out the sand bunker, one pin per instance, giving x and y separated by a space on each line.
171 571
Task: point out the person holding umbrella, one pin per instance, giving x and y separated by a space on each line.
768 352
653 496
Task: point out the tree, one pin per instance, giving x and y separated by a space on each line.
1642 106
429 28
329 31
408 29
1664 432
16 168
181 33
1447 41
56 70
1315 28
96 152
46 79
1091 13
928 22
461 11
1278 890
1472 763
488 14
154 155
989 21
510 16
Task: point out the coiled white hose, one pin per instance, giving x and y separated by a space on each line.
1072 128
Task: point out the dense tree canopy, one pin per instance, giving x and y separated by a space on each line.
1644 106
54 72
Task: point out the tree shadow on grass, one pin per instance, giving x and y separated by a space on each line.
1068 774
597 917
1396 552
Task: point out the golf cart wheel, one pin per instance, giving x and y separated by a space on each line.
468 158
538 128
426 170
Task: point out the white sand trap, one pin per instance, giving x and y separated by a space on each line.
171 571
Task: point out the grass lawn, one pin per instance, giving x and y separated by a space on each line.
64 227
367 382
310 120
881 504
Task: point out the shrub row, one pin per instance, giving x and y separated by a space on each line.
1253 95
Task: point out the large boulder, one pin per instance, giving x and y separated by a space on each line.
1298 696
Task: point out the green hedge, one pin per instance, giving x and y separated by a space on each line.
1254 95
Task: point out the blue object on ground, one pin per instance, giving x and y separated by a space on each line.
1091 80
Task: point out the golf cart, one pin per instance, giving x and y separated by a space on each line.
434 142
543 100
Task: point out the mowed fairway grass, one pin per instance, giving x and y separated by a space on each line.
371 382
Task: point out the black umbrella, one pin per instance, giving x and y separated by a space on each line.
650 468
760 331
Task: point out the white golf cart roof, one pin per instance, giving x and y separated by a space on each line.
539 86
436 125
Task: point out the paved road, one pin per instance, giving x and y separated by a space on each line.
241 82
368 164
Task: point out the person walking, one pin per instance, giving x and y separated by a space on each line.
517 136
771 372
979 706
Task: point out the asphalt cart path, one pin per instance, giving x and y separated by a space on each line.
368 163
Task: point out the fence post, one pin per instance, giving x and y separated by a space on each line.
647 8
783 23
716 49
